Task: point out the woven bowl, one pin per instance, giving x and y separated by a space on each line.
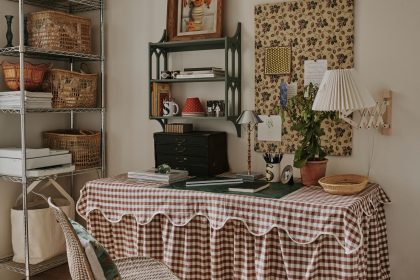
34 75
347 184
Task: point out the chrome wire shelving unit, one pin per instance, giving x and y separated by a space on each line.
24 53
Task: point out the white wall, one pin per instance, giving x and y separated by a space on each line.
386 52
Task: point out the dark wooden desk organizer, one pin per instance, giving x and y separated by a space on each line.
201 153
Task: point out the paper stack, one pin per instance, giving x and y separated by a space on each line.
153 175
33 100
39 162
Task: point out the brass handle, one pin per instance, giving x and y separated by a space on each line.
181 160
180 149
180 141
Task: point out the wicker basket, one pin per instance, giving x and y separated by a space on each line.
59 31
72 89
344 184
84 145
34 75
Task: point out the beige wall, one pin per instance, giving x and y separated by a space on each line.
387 45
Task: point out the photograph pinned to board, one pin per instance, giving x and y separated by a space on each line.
270 128
314 71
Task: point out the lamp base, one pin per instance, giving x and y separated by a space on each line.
250 177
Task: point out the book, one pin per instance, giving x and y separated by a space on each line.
48 171
214 182
203 69
250 187
13 166
160 92
153 175
30 153
27 94
198 76
17 152
179 127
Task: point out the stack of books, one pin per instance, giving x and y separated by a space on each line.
153 175
179 127
39 162
33 100
200 73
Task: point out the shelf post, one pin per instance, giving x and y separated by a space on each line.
103 118
23 134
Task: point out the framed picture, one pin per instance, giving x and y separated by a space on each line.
216 108
194 19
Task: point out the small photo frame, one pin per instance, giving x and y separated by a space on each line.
278 60
194 19
216 108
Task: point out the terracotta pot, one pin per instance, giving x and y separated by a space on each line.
313 171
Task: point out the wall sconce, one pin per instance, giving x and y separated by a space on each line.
340 90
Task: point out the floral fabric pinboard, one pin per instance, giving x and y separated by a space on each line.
322 29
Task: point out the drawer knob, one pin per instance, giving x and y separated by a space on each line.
180 149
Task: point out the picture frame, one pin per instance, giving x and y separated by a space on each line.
194 19
215 108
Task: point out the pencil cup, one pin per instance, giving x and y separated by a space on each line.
272 172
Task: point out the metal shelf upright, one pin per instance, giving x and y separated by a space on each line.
24 52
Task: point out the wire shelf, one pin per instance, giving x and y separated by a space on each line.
71 6
32 52
17 179
54 110
9 264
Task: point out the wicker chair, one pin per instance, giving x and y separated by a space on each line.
137 268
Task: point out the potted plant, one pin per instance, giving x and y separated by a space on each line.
309 155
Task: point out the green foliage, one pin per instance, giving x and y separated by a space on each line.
307 123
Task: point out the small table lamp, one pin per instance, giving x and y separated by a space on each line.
250 119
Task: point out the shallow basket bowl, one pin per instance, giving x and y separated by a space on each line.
346 184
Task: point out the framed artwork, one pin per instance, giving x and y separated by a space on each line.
278 60
194 19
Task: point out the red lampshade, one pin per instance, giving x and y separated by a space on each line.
193 107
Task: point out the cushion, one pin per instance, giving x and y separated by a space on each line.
96 253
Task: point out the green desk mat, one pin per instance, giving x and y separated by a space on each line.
275 190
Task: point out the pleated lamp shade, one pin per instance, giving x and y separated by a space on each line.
340 90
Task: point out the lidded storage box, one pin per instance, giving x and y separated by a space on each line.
84 146
59 31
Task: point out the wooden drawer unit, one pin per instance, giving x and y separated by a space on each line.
201 153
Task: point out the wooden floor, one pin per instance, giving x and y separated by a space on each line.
59 273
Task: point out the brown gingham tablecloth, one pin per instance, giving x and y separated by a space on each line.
307 234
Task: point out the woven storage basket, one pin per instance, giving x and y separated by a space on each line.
344 184
59 31
72 89
34 75
84 145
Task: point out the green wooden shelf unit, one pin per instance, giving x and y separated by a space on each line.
158 60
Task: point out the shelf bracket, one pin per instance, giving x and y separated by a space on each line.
162 123
238 127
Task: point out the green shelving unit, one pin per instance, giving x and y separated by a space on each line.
158 60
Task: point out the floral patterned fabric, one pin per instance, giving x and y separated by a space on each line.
109 268
322 29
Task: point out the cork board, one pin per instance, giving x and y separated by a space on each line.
314 29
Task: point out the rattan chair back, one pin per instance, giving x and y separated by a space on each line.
77 260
